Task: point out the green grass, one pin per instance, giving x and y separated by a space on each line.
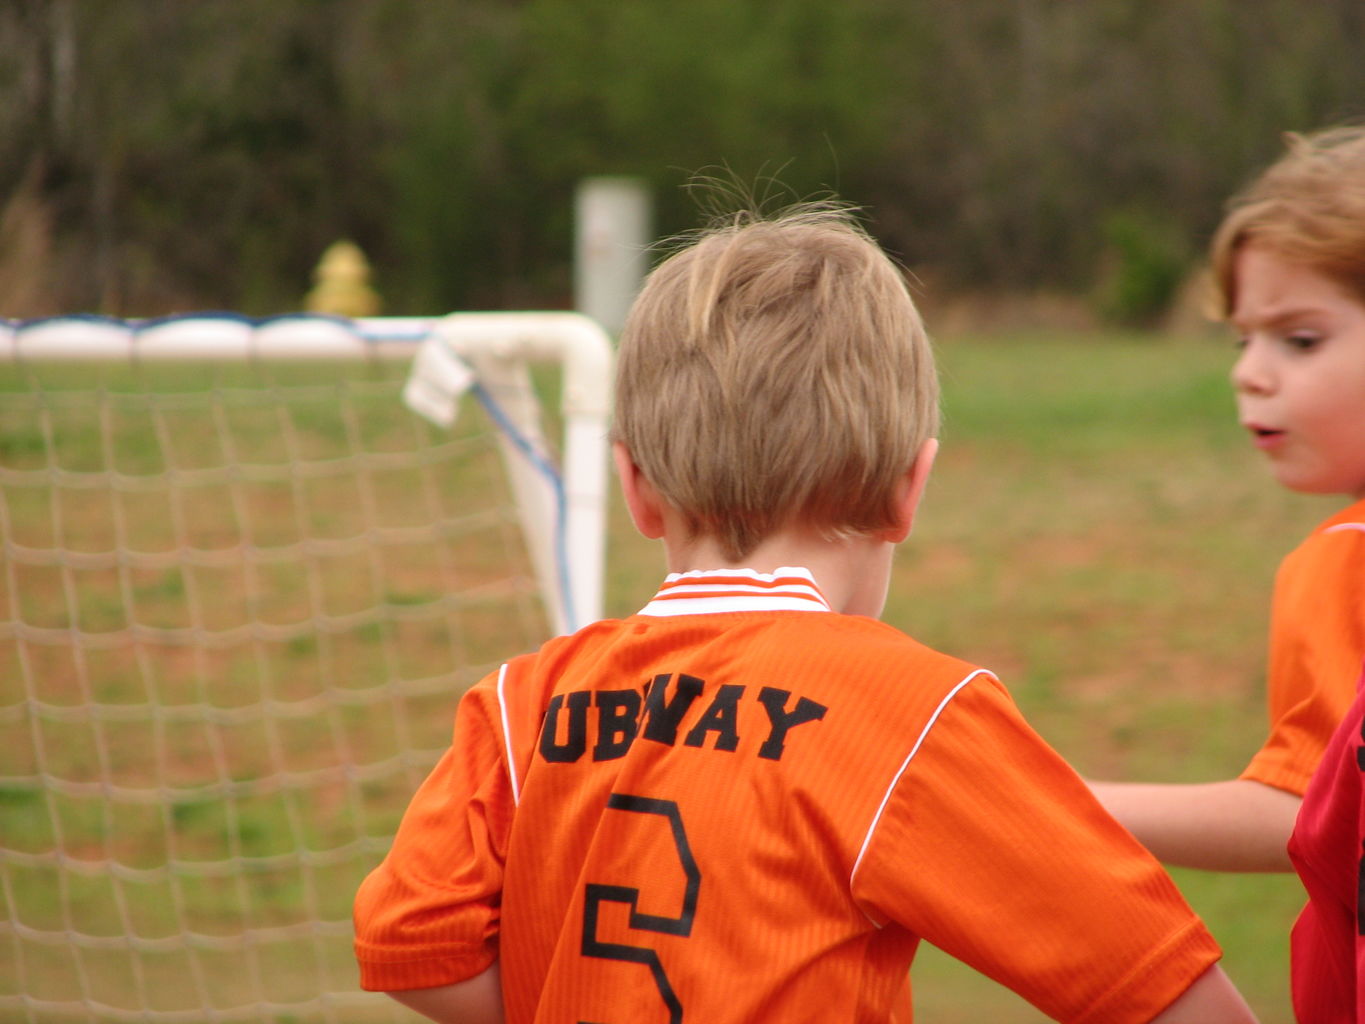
1097 532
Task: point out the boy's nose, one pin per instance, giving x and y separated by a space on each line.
1251 374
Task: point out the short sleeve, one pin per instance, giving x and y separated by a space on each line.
428 915
993 849
1317 644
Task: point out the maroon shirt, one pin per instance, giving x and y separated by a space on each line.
1327 947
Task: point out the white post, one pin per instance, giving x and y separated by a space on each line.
498 343
611 247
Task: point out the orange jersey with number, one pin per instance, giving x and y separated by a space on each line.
739 806
1317 643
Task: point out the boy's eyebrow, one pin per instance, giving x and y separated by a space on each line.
1274 317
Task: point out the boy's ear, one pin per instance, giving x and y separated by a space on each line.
642 500
911 491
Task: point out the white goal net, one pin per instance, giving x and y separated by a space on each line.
243 585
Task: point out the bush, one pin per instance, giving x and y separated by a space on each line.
1146 258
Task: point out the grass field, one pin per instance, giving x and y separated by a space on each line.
1098 532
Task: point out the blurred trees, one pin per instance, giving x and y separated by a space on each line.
172 154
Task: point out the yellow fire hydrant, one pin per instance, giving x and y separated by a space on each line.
342 285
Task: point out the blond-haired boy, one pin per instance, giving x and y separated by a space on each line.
751 800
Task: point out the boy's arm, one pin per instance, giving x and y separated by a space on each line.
429 914
1212 999
477 1000
1234 825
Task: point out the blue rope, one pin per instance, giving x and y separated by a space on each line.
546 468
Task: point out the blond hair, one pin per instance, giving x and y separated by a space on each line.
1308 207
776 371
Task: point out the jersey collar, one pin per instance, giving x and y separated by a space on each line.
707 592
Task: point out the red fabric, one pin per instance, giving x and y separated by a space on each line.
1327 951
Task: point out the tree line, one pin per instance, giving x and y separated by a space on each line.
158 155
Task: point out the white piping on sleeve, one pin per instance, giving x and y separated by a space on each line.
886 797
507 734
1345 526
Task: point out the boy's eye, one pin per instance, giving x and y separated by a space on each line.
1303 341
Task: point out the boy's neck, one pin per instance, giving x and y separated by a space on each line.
852 573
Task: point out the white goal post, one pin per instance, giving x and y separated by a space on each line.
242 585
563 515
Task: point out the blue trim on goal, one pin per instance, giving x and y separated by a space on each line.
545 466
137 325
85 318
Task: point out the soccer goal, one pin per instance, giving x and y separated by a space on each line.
248 567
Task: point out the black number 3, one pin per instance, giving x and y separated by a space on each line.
681 925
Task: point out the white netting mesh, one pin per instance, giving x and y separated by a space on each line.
238 603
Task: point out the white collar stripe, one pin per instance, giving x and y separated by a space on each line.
790 587
737 590
715 605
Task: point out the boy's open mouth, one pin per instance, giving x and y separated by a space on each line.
1265 437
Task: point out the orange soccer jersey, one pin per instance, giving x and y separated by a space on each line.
736 805
1317 644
